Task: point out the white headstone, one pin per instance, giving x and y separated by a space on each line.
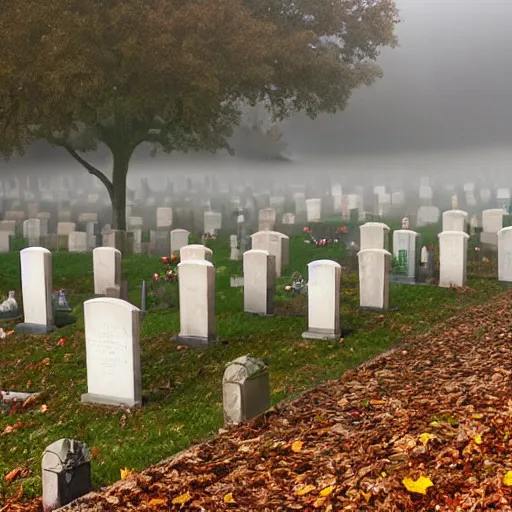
77 241
492 220
259 282
453 249
314 210
36 289
197 302
212 222
505 255
427 215
195 252
324 281
374 235
266 219
179 239
32 232
289 218
107 269
455 220
112 352
275 244
64 228
374 269
163 218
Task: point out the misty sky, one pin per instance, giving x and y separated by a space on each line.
448 86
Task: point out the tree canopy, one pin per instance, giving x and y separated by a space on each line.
175 72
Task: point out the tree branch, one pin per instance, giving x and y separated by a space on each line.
91 169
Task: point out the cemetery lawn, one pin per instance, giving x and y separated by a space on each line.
182 387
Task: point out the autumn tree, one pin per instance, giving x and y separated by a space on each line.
175 73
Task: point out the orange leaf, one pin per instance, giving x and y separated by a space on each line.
157 502
181 499
12 475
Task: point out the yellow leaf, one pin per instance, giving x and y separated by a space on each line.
181 499
477 416
305 490
478 439
419 486
435 424
383 474
326 491
297 446
155 502
426 437
366 495
125 473
229 498
507 479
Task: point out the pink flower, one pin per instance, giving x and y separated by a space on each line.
156 276
164 259
288 288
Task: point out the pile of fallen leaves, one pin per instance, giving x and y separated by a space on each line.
427 426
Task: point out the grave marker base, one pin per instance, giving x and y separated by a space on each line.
194 341
93 398
27 328
321 335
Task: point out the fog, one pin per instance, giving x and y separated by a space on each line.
442 105
447 87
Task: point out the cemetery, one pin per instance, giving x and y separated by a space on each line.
224 322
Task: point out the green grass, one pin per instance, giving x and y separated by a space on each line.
183 387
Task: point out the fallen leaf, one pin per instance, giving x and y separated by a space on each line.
318 502
305 490
12 475
155 502
228 498
326 491
377 402
426 437
43 408
181 499
478 416
297 446
125 473
507 479
478 439
29 401
366 495
61 342
419 486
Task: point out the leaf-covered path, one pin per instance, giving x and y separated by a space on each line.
427 426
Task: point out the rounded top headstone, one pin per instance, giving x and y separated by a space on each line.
204 263
325 263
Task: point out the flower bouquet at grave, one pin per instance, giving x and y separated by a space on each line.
163 288
297 286
321 242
